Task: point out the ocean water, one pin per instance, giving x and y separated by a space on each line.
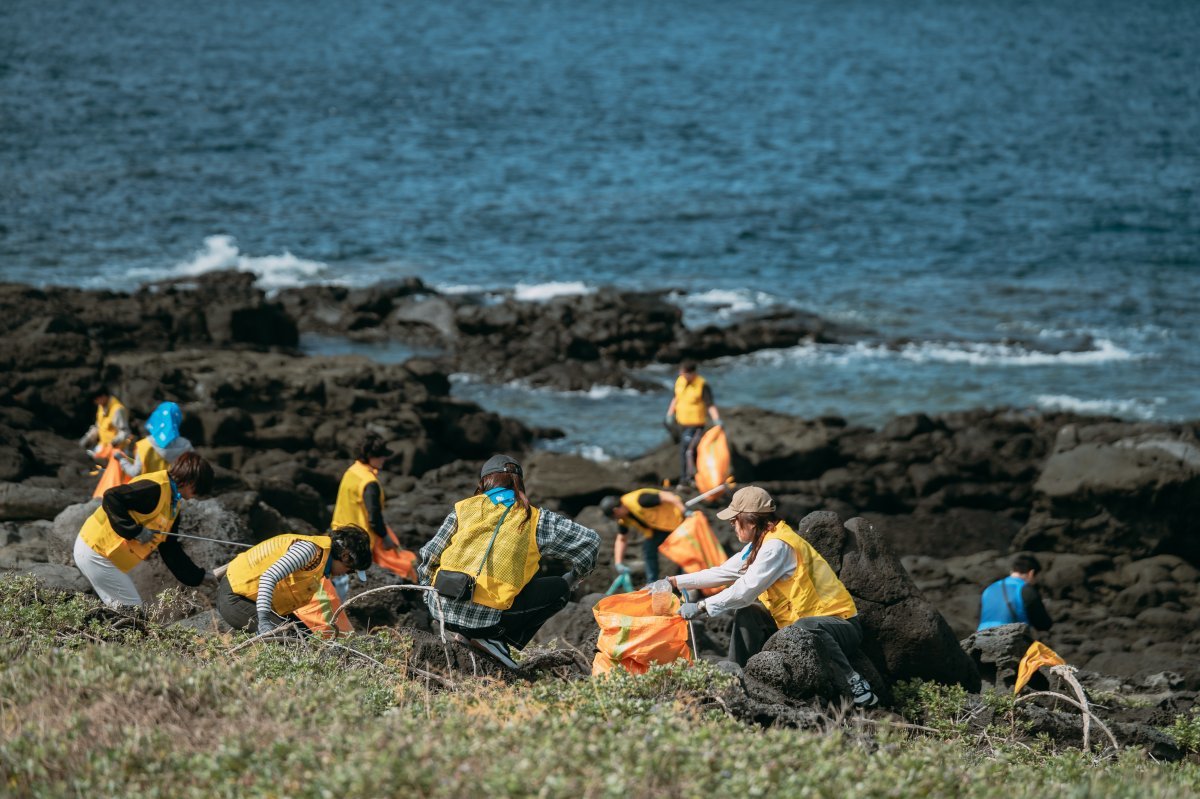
1009 187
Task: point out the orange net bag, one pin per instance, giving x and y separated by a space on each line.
712 462
693 546
318 613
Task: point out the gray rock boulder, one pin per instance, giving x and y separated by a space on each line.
20 501
997 653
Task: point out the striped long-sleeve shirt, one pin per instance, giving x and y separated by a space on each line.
300 555
557 537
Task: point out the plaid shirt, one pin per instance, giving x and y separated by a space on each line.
557 537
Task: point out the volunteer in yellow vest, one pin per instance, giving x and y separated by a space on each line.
485 558
360 503
111 430
790 578
270 581
691 408
132 522
157 451
649 513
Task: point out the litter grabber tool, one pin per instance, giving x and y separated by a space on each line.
701 497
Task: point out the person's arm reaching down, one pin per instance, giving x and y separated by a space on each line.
300 555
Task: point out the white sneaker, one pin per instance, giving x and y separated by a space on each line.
863 695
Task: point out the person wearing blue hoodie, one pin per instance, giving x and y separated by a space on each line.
1014 599
162 447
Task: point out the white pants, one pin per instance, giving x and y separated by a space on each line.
113 586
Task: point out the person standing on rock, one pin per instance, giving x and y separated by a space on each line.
133 521
162 447
789 577
650 512
484 559
360 503
111 430
691 408
272 580
1014 599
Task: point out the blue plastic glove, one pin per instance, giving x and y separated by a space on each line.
669 419
621 568
718 423
690 610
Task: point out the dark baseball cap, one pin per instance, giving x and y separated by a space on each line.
500 463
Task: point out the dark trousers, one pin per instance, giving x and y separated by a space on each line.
650 553
239 612
836 638
533 607
689 439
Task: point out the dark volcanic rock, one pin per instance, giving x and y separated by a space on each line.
997 652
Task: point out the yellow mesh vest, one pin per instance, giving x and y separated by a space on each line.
97 531
349 508
151 460
812 590
293 591
664 518
689 402
514 557
106 431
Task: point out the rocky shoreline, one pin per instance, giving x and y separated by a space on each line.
1107 505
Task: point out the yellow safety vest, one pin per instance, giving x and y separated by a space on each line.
661 518
151 460
690 410
812 590
106 430
292 592
350 508
97 532
514 556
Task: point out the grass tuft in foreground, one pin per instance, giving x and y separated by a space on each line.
93 705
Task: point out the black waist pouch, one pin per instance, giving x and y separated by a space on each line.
458 586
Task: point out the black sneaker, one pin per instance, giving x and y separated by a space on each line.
496 650
863 695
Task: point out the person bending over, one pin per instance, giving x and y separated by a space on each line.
649 512
791 579
133 521
267 583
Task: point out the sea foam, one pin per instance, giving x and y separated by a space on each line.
274 272
540 292
1127 408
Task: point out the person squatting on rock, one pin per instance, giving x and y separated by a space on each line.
791 579
111 430
649 511
1014 599
267 583
690 408
484 559
133 521
360 502
162 447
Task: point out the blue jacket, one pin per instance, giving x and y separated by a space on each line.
995 611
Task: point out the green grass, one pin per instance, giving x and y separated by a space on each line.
89 710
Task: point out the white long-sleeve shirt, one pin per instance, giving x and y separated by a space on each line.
776 561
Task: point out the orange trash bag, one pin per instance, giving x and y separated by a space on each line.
318 613
712 462
693 546
1036 656
632 637
401 562
113 475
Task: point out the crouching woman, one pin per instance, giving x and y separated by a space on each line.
267 583
133 521
484 563
790 578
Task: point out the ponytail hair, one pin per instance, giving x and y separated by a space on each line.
506 479
762 524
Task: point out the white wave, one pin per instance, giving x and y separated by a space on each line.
540 292
593 453
274 271
1136 408
989 354
717 305
596 392
461 288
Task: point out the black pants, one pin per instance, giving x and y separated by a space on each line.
650 553
533 607
689 439
837 638
241 613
